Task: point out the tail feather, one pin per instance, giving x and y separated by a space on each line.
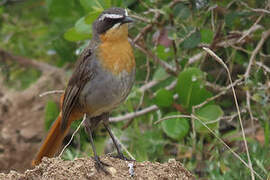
53 141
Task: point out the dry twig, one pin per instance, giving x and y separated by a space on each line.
73 134
255 9
51 92
264 36
246 33
134 114
237 107
267 69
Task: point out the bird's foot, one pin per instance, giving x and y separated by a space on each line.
100 165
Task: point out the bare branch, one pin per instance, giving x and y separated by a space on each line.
168 68
140 18
134 114
150 84
142 32
255 9
195 58
44 67
52 92
267 69
246 33
264 36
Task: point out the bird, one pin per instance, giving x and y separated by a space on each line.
102 79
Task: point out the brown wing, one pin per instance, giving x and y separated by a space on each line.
83 72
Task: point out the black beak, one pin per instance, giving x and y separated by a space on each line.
127 20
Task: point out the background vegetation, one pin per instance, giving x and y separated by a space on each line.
175 77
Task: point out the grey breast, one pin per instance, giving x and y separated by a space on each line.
105 91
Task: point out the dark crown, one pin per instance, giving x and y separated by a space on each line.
109 18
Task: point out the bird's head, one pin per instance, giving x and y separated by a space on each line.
111 25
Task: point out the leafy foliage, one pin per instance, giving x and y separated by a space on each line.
176 128
190 88
164 98
210 115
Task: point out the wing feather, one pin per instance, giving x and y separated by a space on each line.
82 74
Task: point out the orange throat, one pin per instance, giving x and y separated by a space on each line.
115 52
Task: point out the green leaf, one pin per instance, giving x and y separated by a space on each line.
163 52
107 4
87 5
60 8
73 35
192 41
159 74
189 81
92 5
210 115
117 3
164 98
92 16
51 113
190 88
207 35
199 94
182 11
83 28
184 32
98 4
176 128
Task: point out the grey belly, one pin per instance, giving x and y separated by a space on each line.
105 92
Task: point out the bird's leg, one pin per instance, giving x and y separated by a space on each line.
120 155
98 164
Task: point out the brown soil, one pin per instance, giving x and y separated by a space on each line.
84 168
22 122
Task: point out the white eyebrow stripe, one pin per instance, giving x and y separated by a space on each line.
116 25
110 16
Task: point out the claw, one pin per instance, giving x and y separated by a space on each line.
100 165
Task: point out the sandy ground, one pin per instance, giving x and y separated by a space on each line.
84 168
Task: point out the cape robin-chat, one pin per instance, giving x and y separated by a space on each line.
102 79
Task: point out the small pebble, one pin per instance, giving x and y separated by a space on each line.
131 169
112 171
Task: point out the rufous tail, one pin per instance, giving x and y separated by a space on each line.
53 141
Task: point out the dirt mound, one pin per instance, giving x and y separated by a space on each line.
22 121
84 168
